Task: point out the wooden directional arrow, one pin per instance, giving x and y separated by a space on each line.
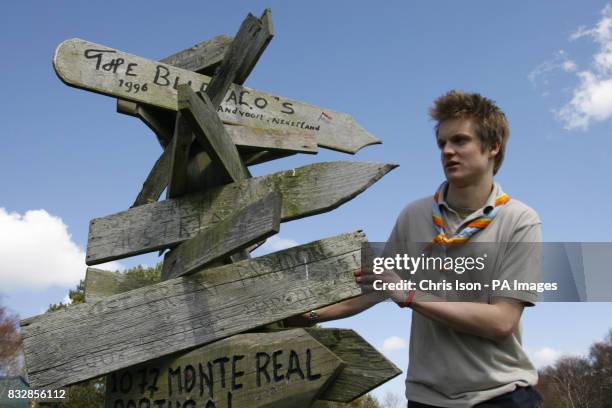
366 367
203 57
305 191
249 43
252 224
285 369
89 340
111 72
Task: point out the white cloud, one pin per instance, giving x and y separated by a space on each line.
592 98
559 61
544 356
393 343
37 252
276 243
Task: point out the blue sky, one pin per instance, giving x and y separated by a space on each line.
67 156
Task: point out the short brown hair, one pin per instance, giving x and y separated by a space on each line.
491 122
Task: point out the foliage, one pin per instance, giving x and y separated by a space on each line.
580 382
10 344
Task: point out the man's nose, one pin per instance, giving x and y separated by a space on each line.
447 149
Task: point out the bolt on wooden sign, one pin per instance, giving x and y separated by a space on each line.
208 333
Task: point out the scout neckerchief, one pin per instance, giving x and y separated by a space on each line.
471 228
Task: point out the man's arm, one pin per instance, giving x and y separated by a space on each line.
340 310
494 321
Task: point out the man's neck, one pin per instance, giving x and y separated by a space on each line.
470 196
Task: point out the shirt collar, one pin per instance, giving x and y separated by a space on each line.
487 208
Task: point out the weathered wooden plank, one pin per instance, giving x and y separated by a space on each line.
251 139
249 43
104 70
283 369
200 113
89 340
366 368
181 142
203 57
257 48
305 191
249 225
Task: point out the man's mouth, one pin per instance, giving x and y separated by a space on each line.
451 164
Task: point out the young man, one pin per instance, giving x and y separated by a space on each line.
464 354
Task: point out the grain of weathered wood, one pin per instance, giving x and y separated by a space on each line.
181 142
248 44
251 139
203 57
89 340
283 369
208 129
104 70
257 48
249 225
305 191
366 367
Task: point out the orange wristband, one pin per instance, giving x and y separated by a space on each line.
408 301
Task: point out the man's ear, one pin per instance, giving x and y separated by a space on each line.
494 149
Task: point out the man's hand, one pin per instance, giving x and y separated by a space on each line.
366 278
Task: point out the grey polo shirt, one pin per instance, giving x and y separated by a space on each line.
451 369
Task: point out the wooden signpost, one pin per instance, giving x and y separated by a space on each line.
286 368
104 70
208 333
305 191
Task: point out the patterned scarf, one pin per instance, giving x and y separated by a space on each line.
471 228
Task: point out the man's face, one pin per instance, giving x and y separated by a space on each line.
463 159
